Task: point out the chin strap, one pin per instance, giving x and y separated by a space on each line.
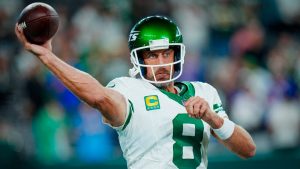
133 72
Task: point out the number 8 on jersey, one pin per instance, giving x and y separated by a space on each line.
187 134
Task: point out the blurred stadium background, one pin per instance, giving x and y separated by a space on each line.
248 49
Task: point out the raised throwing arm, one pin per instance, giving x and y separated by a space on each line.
110 103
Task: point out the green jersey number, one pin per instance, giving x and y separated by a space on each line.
187 134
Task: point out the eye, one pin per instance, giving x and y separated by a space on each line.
167 53
151 56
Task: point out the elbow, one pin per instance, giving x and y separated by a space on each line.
99 101
93 101
250 152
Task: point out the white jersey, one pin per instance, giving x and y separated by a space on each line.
158 133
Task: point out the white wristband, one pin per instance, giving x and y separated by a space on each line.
226 130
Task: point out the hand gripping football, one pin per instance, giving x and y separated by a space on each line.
39 22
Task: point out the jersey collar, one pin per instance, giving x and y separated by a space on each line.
186 90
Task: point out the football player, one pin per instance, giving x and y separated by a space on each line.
161 123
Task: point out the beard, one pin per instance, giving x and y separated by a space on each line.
161 74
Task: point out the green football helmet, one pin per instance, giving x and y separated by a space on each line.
155 33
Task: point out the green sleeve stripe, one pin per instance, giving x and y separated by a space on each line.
131 110
218 107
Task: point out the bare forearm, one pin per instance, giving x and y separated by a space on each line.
80 83
240 142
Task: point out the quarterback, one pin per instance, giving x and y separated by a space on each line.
161 123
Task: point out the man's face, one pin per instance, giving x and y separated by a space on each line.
159 57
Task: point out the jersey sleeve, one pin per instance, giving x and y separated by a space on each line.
217 103
119 85
209 93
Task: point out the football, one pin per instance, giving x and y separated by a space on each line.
39 22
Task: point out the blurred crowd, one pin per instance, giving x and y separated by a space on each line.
248 49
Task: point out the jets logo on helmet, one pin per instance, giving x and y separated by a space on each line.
155 33
133 35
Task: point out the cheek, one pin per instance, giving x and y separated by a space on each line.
148 69
149 62
149 72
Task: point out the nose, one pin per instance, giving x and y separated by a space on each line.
161 59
